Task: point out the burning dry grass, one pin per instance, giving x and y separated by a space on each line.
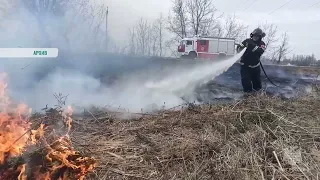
260 137
41 149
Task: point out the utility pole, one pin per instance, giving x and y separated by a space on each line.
107 34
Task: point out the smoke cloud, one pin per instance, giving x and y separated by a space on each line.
99 79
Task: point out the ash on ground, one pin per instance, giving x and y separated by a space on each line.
291 81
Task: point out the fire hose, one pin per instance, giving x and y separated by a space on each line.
267 75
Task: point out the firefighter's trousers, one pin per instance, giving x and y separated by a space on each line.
250 78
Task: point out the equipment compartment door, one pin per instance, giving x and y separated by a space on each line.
231 48
223 46
203 45
213 46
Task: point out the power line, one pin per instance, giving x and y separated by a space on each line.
250 5
280 7
314 4
239 8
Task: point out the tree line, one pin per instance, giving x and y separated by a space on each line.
159 37
69 23
188 18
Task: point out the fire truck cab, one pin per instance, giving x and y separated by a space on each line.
207 47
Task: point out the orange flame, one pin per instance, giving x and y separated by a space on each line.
22 175
37 134
61 161
13 125
67 117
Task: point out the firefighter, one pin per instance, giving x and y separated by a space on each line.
250 61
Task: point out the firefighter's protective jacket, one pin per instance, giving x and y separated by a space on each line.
252 55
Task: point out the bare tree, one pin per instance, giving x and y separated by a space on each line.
142 34
272 54
212 28
132 41
88 18
154 38
44 7
150 38
79 16
271 34
202 15
234 29
144 38
98 23
171 45
303 60
283 48
159 29
178 21
192 17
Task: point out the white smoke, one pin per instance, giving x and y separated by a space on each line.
35 81
140 91
188 78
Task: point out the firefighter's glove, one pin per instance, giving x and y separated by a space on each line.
239 48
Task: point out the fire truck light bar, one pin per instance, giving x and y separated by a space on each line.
29 52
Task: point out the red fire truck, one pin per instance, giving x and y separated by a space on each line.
207 47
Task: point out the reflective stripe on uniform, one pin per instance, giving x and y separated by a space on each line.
242 64
255 49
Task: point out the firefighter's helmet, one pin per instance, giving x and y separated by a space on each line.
258 32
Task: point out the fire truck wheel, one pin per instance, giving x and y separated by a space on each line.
192 55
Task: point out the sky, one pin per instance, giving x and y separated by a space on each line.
297 18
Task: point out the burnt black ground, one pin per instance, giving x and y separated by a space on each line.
291 82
